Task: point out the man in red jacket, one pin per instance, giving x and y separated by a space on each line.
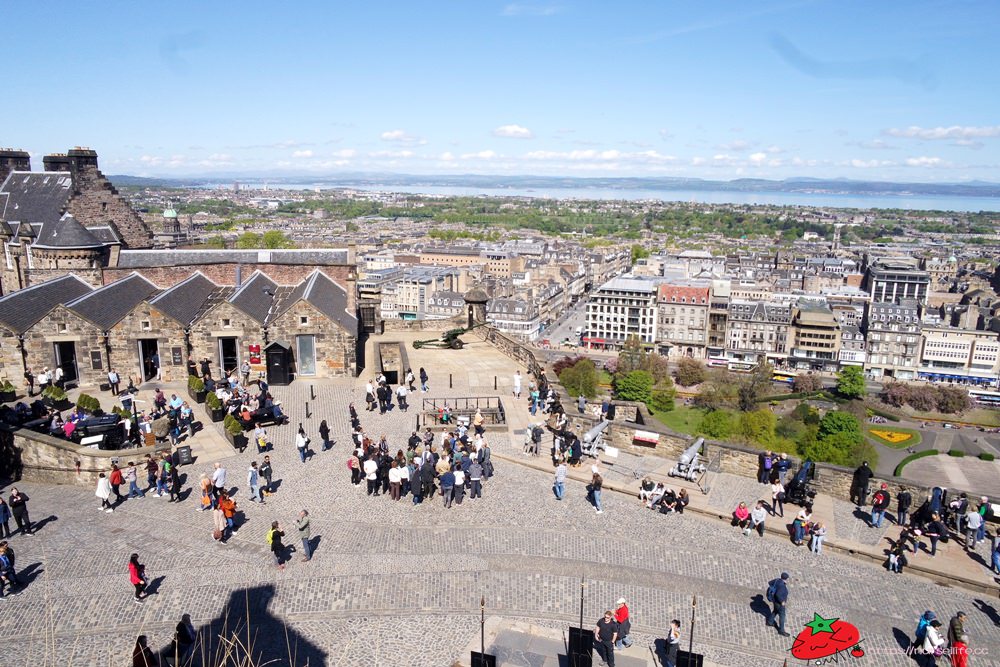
624 625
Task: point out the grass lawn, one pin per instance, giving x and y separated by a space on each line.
682 419
892 436
604 378
980 416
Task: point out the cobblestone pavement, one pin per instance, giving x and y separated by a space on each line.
396 584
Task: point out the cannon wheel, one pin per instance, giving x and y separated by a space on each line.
457 344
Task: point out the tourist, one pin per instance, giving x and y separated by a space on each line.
859 484
933 531
423 379
174 479
475 477
132 479
260 437
151 471
764 463
458 492
266 472
371 475
933 644
219 525
401 393
4 518
985 510
181 646
245 372
673 641
897 554
302 524
274 541
228 507
596 484
958 641
8 571
903 502
996 551
880 503
817 535
137 577
624 624
605 636
409 379
115 381
447 482
253 481
395 481
741 518
116 480
757 516
777 595
207 500
218 480
973 522
777 497
103 491
559 484
517 384
29 379
301 443
800 524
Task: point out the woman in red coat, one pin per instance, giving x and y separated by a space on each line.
137 577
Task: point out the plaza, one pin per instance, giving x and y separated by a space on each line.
393 583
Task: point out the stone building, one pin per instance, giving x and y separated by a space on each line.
683 326
892 336
759 331
816 339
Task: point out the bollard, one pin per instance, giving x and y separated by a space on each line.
494 383
307 409
449 380
312 394
418 422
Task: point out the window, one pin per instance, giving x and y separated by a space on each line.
146 325
303 320
226 323
62 327
306 353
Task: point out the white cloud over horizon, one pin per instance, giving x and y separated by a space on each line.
961 132
513 132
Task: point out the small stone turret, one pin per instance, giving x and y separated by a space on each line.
12 159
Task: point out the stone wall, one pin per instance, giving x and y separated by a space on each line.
512 348
62 325
335 348
437 326
54 461
96 201
167 332
205 334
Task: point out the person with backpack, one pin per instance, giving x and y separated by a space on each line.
137 577
673 641
777 595
934 644
253 481
880 503
274 541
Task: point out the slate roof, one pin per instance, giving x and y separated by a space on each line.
21 310
324 295
218 295
252 299
67 232
136 259
35 196
106 306
105 234
184 301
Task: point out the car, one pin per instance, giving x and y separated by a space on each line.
947 425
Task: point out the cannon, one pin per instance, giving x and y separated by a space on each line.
593 439
688 465
449 339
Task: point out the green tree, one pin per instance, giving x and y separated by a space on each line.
275 240
753 386
840 423
248 241
758 426
689 372
632 355
663 396
829 450
806 414
216 242
635 386
717 424
581 378
806 383
851 382
638 252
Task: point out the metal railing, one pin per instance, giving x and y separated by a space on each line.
491 408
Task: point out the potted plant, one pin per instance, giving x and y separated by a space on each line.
89 405
234 432
213 406
7 392
54 397
196 388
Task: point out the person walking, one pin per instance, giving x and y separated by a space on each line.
174 479
933 531
18 503
115 381
409 380
859 484
324 435
253 481
305 535
423 380
228 507
624 624
475 476
116 480
245 372
218 480
559 483
673 641
933 644
219 525
132 479
777 497
596 484
880 503
517 384
301 442
137 577
266 472
103 491
958 641
274 541
973 522
605 636
151 472
447 482
777 595
29 379
401 393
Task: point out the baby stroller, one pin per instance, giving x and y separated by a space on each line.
798 490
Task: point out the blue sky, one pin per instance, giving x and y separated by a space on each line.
897 91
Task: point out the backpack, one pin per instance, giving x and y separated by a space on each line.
771 589
878 499
270 537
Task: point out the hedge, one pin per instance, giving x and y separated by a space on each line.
791 396
957 453
986 456
912 457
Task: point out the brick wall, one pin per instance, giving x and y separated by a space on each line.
335 348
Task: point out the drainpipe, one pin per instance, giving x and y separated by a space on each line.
107 349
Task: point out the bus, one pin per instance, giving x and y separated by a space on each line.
783 377
985 397
741 366
717 362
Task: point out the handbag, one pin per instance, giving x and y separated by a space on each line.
939 650
217 535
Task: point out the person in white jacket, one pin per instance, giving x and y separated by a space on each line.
933 643
103 492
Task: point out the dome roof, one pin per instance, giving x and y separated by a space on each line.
169 213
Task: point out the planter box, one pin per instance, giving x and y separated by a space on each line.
216 415
237 441
197 396
8 396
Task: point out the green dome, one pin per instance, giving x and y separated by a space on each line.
169 213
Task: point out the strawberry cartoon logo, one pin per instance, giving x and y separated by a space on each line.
825 637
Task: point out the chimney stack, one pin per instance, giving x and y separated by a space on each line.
12 159
56 162
73 160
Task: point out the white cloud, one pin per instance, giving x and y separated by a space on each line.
446 156
924 161
481 155
758 158
513 132
698 161
345 153
736 146
519 9
951 132
600 156
402 137
302 154
875 145
391 154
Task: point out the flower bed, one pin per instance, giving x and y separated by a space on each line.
895 437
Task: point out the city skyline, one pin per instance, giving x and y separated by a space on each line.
774 91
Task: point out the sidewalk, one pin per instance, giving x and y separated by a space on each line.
848 531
